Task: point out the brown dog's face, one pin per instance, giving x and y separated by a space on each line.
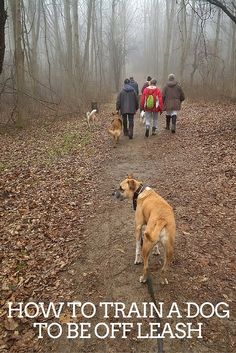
127 189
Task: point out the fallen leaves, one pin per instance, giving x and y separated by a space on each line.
49 189
10 324
43 208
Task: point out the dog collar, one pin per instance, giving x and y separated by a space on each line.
136 194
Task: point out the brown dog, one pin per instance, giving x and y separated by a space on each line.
154 212
116 128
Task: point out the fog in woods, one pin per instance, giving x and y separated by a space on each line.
71 52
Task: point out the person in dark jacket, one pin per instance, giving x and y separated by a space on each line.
127 104
146 84
134 84
173 96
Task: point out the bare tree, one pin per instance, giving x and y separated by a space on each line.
19 59
3 18
228 7
116 44
170 11
86 58
233 61
76 39
68 30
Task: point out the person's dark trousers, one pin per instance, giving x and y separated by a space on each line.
173 126
128 132
168 117
131 125
125 129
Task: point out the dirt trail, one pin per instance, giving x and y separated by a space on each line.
198 183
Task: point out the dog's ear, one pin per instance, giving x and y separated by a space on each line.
131 184
130 176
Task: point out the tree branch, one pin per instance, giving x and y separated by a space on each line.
224 8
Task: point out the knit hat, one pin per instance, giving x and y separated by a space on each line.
149 78
153 82
126 81
171 77
131 77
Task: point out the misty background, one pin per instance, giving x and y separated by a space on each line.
64 54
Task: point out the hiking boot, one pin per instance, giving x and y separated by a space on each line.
154 130
125 132
173 126
147 132
168 117
131 133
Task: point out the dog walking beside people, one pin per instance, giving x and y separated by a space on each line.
158 216
173 96
116 128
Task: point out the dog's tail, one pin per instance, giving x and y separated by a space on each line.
94 111
154 228
114 133
166 231
88 118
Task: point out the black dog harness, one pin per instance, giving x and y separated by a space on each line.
136 194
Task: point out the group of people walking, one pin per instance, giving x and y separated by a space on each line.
151 102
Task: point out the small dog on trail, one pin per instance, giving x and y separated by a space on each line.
91 117
158 216
116 128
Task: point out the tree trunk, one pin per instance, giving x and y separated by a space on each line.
195 52
76 43
34 11
19 59
169 29
3 17
68 29
58 51
233 62
85 67
46 47
215 50
183 39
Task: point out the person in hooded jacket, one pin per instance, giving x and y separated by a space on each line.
151 103
146 84
173 96
134 84
127 104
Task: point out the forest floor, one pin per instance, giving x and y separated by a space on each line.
65 238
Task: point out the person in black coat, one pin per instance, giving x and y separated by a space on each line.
127 104
134 84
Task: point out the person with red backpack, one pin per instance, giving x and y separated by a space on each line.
151 103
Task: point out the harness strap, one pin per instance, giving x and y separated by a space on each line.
136 194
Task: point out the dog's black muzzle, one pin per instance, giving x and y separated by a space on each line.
118 195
